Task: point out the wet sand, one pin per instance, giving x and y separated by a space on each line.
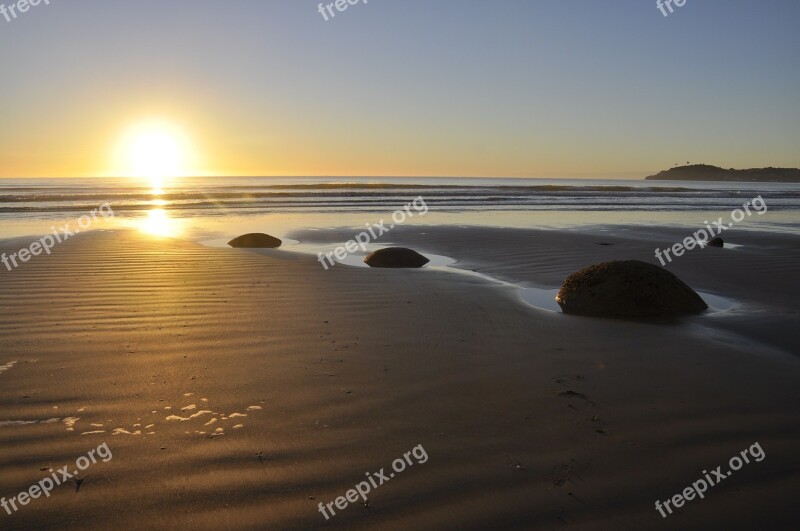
530 419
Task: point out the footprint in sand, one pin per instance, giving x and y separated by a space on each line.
598 424
569 393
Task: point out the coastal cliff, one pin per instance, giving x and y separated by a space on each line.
705 172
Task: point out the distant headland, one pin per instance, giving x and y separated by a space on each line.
705 172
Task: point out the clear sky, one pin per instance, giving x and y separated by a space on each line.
403 87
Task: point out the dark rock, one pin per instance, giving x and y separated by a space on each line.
627 289
396 257
716 242
255 241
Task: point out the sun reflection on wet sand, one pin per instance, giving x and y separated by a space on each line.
157 222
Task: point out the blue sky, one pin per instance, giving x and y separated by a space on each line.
511 88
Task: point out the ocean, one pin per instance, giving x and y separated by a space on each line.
211 208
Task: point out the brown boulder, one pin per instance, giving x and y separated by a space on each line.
255 241
396 257
627 289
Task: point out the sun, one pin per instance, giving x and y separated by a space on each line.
155 150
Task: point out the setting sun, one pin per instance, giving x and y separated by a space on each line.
155 151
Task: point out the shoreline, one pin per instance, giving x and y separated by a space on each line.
498 261
499 255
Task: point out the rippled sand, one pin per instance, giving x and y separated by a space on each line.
239 390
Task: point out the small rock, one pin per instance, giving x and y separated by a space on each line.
716 242
255 240
396 257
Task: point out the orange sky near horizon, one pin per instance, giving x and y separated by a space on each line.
286 149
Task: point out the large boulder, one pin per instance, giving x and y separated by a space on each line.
396 257
627 289
255 241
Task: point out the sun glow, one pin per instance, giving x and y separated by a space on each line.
154 150
158 223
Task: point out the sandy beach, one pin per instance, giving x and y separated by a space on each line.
240 389
416 265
